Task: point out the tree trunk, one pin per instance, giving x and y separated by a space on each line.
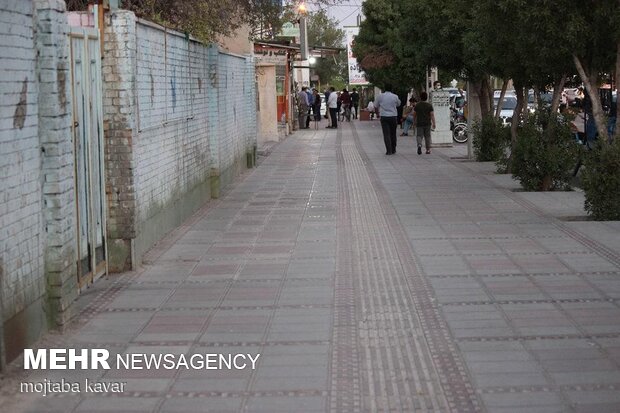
501 99
490 92
546 183
483 97
473 114
618 91
589 80
516 116
558 87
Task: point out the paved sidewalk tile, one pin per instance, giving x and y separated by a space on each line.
367 283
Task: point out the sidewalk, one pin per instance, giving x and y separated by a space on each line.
367 283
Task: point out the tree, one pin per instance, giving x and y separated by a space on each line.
204 19
524 40
594 34
381 50
323 31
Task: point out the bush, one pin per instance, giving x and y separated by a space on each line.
601 181
490 139
545 153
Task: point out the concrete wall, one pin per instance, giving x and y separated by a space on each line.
268 113
36 228
237 43
180 123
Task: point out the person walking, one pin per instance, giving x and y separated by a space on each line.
425 122
332 104
408 116
388 104
355 101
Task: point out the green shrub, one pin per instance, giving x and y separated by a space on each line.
490 139
545 153
601 181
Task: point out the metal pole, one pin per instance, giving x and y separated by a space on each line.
470 132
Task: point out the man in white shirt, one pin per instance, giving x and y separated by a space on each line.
332 104
388 104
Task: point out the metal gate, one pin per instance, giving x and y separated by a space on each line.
88 152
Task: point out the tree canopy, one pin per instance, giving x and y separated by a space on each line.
204 19
535 43
324 31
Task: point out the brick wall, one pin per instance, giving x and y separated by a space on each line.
119 125
21 222
232 114
179 123
171 149
55 112
37 278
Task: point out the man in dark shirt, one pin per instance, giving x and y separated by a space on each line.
345 99
425 121
310 105
355 101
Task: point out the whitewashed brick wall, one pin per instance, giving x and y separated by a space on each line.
37 260
178 115
171 149
232 109
55 112
119 123
21 221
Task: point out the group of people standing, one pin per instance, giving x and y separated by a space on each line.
421 114
309 104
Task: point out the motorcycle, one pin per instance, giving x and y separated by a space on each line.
458 125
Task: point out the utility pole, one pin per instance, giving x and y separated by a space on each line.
303 31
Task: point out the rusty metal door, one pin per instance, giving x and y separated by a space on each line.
87 93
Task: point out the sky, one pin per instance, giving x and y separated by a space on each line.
345 12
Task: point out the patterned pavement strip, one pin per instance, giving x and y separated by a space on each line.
571 362
369 284
440 364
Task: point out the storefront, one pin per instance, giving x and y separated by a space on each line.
273 77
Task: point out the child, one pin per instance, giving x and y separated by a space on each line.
371 109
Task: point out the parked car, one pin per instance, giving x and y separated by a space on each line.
509 92
545 97
507 109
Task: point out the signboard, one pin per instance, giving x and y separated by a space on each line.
442 136
356 75
269 56
289 30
